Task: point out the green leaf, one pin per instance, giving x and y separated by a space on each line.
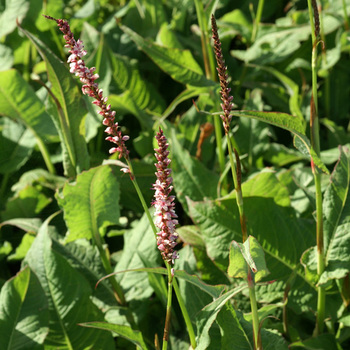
27 203
91 204
249 254
140 248
24 316
291 87
129 81
28 225
68 294
179 64
15 10
207 316
16 146
144 174
272 220
288 122
126 332
18 101
22 249
336 206
6 57
191 178
67 109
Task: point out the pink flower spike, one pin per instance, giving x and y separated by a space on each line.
90 86
164 203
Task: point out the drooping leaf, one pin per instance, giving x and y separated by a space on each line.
24 315
67 110
179 64
68 295
336 206
91 204
126 332
288 122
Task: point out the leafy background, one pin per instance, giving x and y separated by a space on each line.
58 192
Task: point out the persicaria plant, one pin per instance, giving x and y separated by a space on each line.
228 224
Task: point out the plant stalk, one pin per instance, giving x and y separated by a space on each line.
315 143
257 20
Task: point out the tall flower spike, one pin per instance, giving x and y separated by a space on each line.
90 88
164 203
226 98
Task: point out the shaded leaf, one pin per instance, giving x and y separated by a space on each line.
24 316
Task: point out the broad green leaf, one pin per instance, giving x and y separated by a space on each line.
207 316
247 255
336 206
15 10
126 332
16 146
191 178
179 64
91 204
139 240
290 123
5 250
18 101
191 235
24 316
283 236
67 109
27 203
68 294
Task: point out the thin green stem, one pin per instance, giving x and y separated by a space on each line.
171 279
315 142
257 20
254 308
168 309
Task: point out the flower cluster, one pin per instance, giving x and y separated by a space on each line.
90 88
164 203
226 98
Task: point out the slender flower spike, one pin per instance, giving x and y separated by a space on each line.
164 203
226 98
90 88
